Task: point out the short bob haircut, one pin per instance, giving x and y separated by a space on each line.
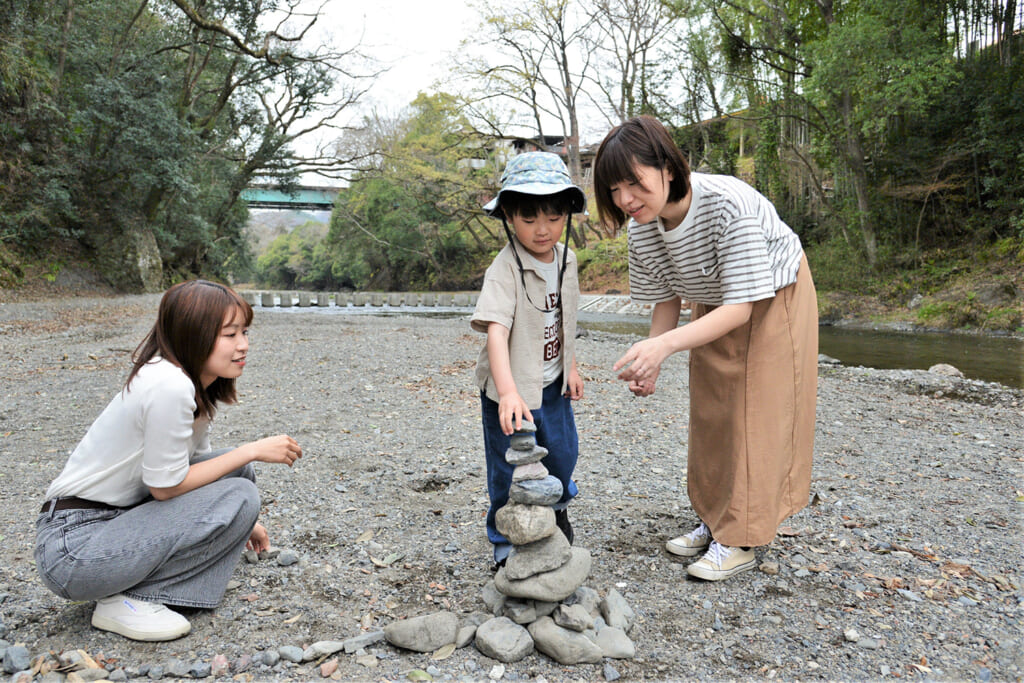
640 141
188 323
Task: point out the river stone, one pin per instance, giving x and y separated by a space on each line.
588 597
534 470
363 640
945 369
541 556
322 648
518 456
614 643
520 612
573 617
522 524
553 586
504 640
616 611
562 645
546 491
423 634
524 438
493 599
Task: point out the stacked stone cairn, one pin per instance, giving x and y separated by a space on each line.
537 600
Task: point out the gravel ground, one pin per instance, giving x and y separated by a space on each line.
906 564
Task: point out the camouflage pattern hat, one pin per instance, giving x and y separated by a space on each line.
538 173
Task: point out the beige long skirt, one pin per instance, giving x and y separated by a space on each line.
753 394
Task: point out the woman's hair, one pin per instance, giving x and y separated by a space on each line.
187 326
530 205
640 141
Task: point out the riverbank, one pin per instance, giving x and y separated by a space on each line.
906 564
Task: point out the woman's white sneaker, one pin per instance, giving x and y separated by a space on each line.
138 619
721 562
693 543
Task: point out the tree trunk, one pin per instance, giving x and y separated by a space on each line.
853 151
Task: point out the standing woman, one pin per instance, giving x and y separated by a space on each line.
144 514
718 244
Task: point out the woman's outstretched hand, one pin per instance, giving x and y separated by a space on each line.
281 449
644 361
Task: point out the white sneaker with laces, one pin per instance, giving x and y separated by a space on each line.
693 543
721 562
138 619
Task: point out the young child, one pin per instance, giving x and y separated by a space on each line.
527 308
144 514
753 337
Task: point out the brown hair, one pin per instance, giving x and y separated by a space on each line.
640 141
188 322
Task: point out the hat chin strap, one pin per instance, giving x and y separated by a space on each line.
519 263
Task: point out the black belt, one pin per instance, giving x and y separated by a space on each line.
73 503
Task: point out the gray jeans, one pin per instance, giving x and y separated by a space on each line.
180 551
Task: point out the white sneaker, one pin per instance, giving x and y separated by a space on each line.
721 562
138 619
693 543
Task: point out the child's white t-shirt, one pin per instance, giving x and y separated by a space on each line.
145 437
552 319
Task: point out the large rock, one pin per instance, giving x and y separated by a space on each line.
562 645
553 586
614 643
502 639
423 634
522 524
544 555
546 491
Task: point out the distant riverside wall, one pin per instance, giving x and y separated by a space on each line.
594 303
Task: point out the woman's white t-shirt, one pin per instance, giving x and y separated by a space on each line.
145 437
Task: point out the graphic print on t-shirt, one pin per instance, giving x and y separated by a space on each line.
552 344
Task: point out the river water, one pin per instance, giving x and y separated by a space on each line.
989 358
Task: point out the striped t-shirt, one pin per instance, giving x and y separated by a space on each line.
731 248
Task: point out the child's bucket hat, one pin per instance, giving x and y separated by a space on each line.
539 173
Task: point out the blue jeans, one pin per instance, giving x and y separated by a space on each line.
180 551
556 431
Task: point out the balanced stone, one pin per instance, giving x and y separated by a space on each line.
573 617
502 639
520 612
541 556
522 524
553 586
534 470
518 456
423 634
562 645
588 597
546 491
524 438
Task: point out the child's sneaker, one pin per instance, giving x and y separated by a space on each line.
721 562
692 544
138 619
562 521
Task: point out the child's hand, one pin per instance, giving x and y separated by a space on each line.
512 410
259 539
574 385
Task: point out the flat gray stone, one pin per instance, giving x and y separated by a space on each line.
573 617
504 640
588 597
553 586
522 524
616 611
546 491
531 559
562 645
518 456
363 640
423 634
615 644
534 470
520 612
